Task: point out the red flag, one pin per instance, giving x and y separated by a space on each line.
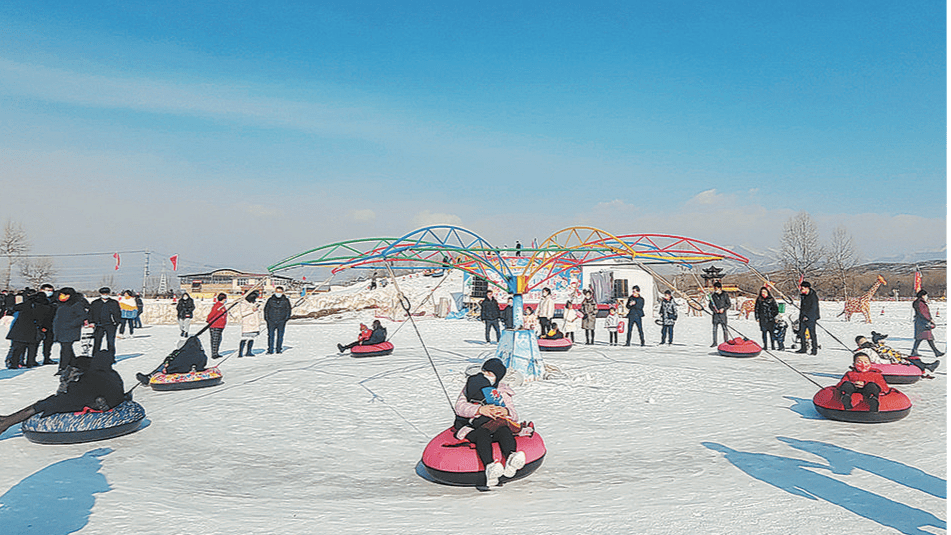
116 256
174 259
917 281
799 284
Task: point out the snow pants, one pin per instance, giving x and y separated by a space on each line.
483 439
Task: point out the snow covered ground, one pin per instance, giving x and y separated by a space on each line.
658 440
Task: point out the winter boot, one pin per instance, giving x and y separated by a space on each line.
872 403
514 463
933 366
846 400
250 343
492 474
241 348
340 348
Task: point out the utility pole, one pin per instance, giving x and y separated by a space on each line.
145 273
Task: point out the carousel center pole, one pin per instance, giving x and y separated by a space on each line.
518 347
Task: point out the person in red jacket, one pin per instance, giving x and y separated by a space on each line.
863 379
217 318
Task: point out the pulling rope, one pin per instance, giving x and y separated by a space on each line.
428 297
661 278
792 304
174 353
404 302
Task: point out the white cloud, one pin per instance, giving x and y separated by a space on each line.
362 215
427 218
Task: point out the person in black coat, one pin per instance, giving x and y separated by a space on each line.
808 316
377 336
765 310
635 311
45 309
140 307
508 315
72 312
95 385
277 310
185 311
719 305
23 334
490 314
105 316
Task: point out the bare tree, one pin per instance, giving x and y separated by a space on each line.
37 272
13 246
800 253
841 257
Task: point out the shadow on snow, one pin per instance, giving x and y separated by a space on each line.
805 408
57 499
797 476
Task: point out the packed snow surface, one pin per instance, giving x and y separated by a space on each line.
656 439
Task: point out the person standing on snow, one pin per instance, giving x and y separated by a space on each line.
635 311
184 311
668 316
250 322
589 316
490 314
277 310
546 310
105 316
765 311
217 319
808 316
719 305
923 323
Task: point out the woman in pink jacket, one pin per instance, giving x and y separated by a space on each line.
484 413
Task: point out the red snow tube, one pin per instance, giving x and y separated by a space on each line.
892 406
898 374
739 347
451 461
375 350
559 344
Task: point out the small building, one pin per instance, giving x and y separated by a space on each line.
233 282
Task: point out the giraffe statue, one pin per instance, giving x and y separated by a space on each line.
855 305
747 308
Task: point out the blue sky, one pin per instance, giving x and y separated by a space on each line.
237 133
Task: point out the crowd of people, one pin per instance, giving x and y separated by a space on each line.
766 311
47 316
41 318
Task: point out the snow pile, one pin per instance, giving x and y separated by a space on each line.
417 288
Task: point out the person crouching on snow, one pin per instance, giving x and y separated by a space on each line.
863 379
485 414
553 333
91 382
376 336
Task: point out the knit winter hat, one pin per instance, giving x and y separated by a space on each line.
495 366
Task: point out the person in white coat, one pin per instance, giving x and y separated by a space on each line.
250 322
571 320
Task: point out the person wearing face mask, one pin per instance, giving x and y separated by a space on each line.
277 310
862 378
483 410
105 316
184 311
72 312
45 309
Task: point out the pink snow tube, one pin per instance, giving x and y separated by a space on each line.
375 350
898 374
739 347
451 461
559 344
